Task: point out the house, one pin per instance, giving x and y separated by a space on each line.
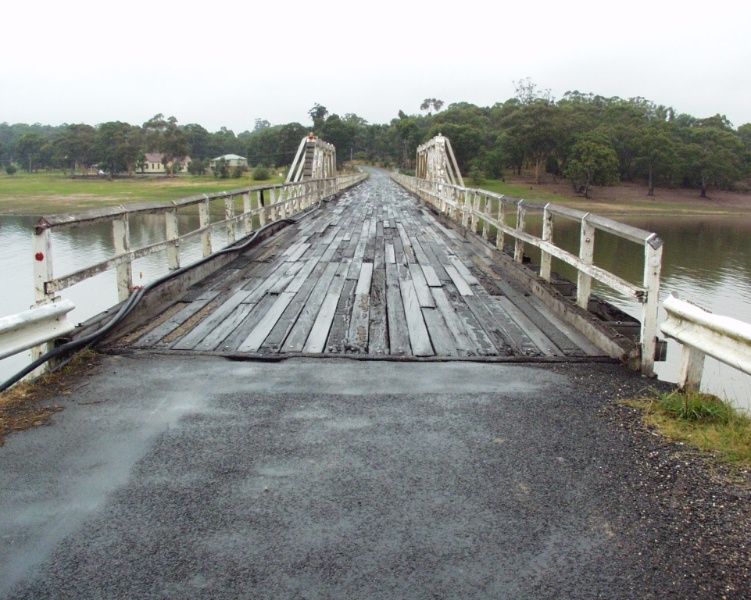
153 163
232 160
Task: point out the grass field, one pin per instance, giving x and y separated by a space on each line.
50 193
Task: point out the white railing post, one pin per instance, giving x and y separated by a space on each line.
124 271
229 213
586 255
42 264
172 234
204 219
486 214
500 239
521 217
652 268
547 236
247 216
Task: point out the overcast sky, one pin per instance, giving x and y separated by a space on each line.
227 63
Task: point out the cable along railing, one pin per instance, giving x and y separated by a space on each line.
260 205
481 212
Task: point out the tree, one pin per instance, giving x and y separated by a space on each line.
431 102
198 139
592 161
164 136
318 113
29 150
713 158
77 147
538 130
261 124
466 141
657 154
118 147
341 134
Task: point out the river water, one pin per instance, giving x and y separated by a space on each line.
706 260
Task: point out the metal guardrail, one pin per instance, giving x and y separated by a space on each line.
33 327
261 204
482 211
704 334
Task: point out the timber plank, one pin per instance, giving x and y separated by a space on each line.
461 285
421 286
163 330
319 333
337 341
397 321
263 328
440 337
377 334
243 329
205 327
418 332
299 334
274 341
214 340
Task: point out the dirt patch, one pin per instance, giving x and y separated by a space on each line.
26 406
631 198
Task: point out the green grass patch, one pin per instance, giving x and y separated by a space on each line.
702 421
49 193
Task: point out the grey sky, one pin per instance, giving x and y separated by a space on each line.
228 63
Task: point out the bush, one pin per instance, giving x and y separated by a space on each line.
237 172
261 173
11 169
196 167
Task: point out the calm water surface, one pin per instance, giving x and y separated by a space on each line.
706 260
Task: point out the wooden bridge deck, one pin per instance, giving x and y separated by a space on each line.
374 273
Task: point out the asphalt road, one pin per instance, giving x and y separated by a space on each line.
204 478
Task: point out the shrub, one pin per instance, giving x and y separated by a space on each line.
11 169
261 173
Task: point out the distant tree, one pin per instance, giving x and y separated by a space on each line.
261 173
433 103
118 147
76 147
11 169
657 154
526 92
196 167
466 141
593 161
261 124
537 128
198 139
221 170
318 114
29 150
164 136
713 158
341 134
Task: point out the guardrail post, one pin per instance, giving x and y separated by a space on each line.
547 236
652 268
486 213
42 264
586 254
475 210
172 234
204 219
247 216
124 271
500 239
262 208
272 203
521 217
229 213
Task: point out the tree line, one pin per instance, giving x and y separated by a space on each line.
586 138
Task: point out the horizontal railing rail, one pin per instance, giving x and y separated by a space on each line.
481 212
260 205
704 334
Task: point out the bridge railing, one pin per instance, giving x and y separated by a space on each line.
482 211
260 205
703 334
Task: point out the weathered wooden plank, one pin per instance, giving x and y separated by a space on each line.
440 337
418 333
243 329
215 339
497 334
459 282
337 340
299 251
359 324
378 321
390 254
297 337
430 276
319 333
163 330
533 332
458 329
263 328
397 321
274 341
421 286
205 327
302 275
464 271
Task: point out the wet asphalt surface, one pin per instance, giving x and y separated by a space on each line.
204 478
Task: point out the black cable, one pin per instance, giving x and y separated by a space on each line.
89 340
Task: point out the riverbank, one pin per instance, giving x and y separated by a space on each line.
623 199
52 193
